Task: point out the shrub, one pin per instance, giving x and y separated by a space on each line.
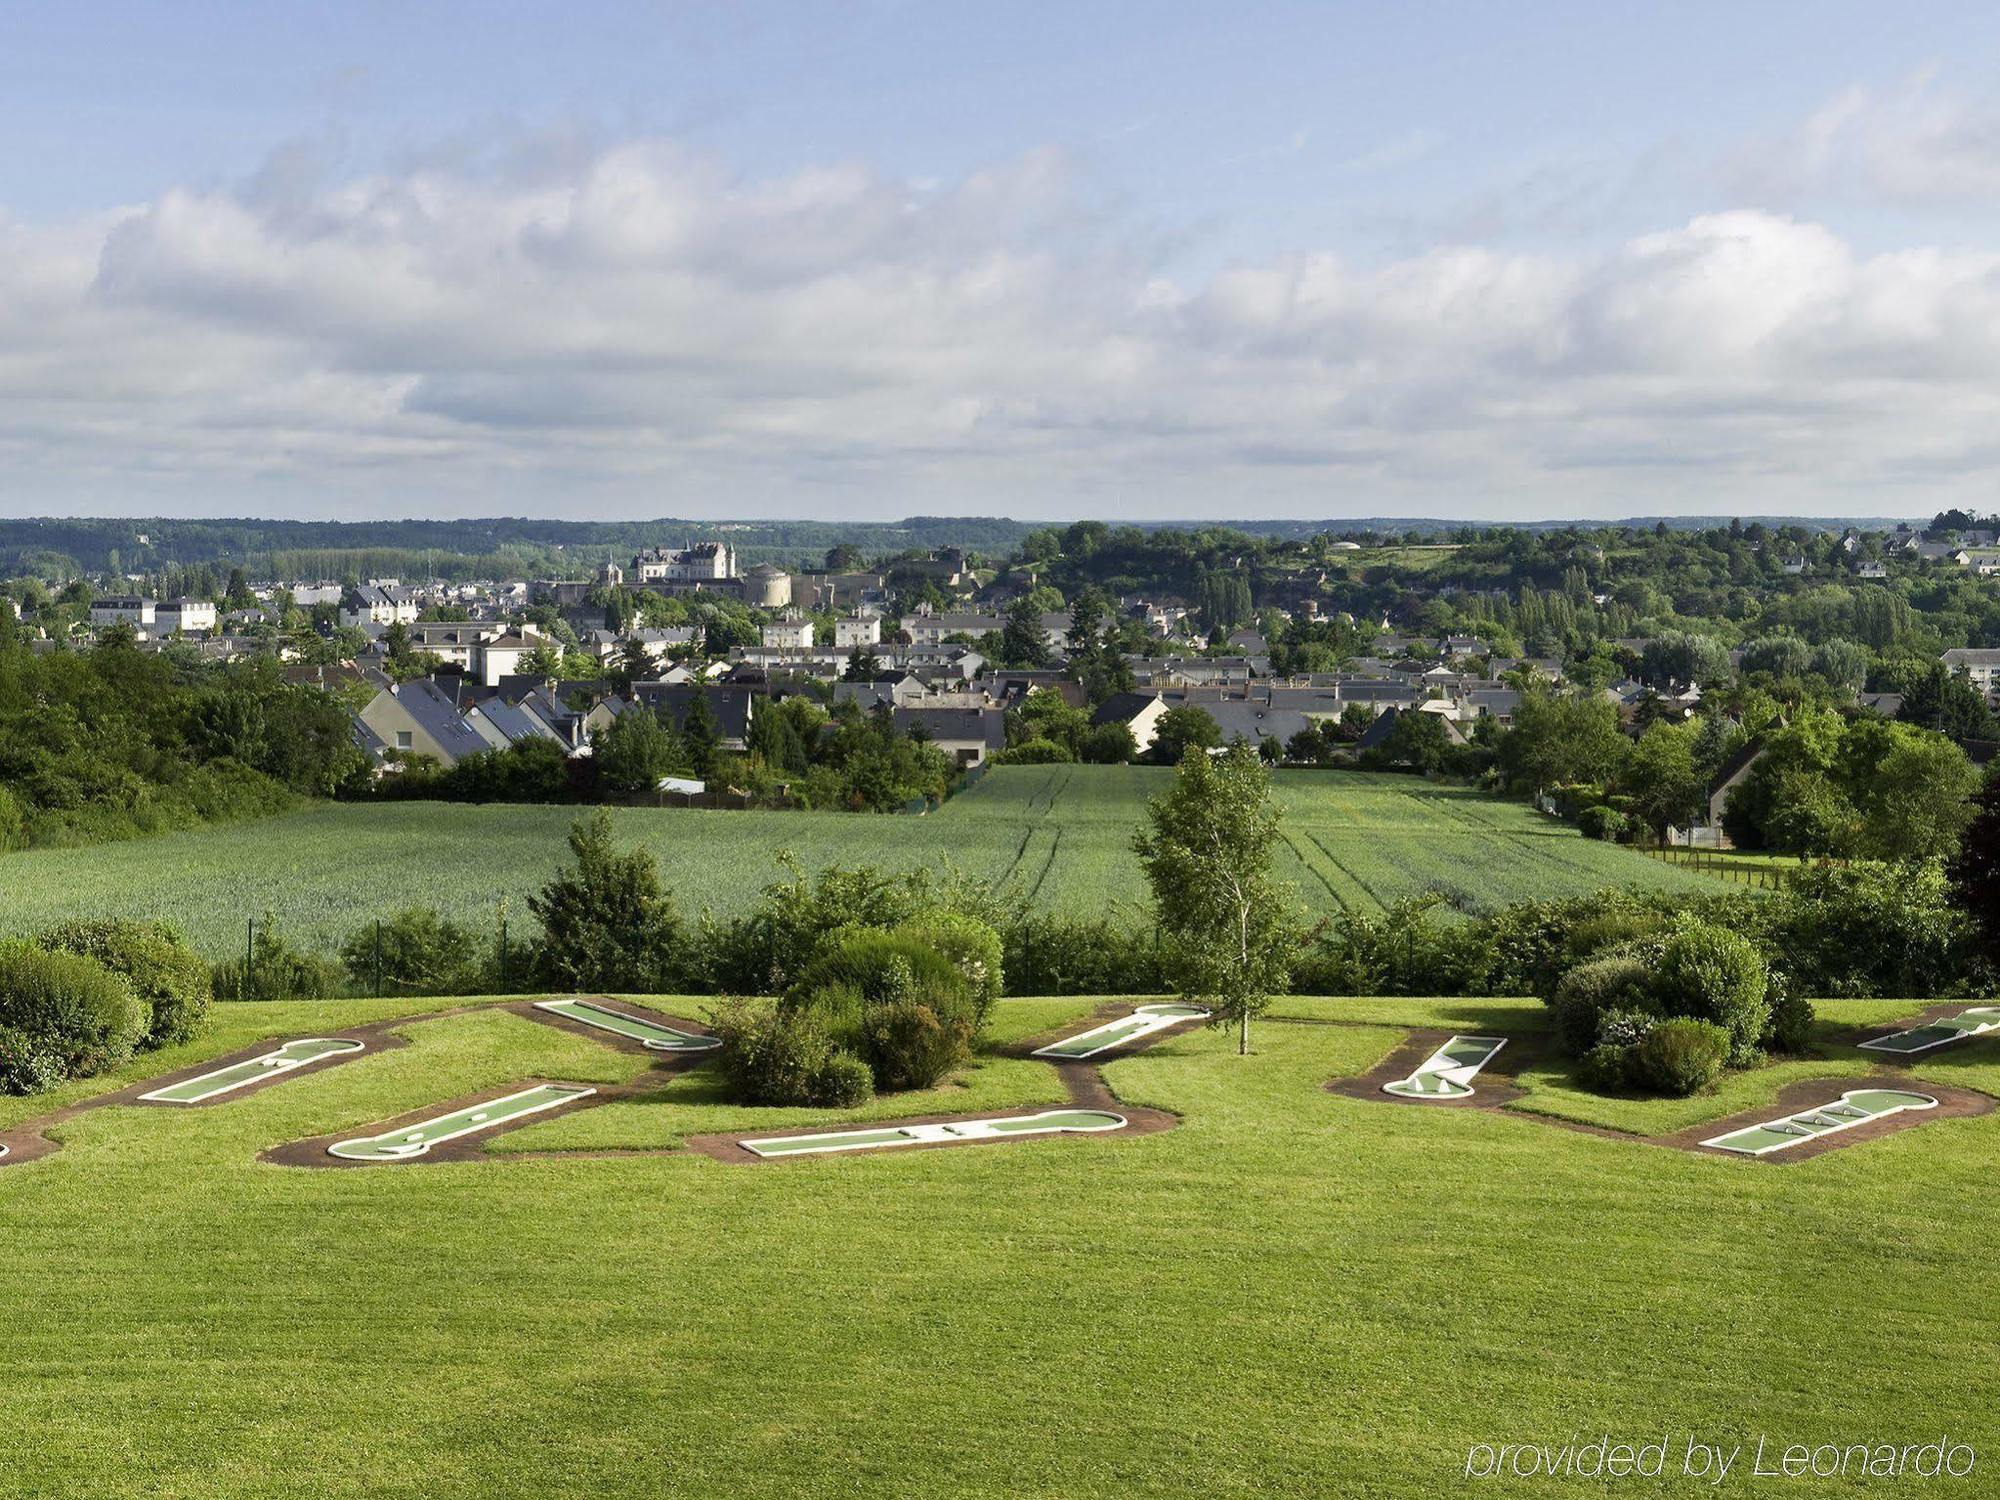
1601 822
275 970
972 948
1680 1056
772 1056
26 1065
420 953
878 965
1790 1026
606 922
1624 1028
913 1044
1057 955
1034 753
164 972
85 1017
1711 974
1588 992
1606 1069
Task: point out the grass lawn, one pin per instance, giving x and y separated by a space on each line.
1291 1293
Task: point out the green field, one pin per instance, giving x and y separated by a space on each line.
1292 1293
1057 834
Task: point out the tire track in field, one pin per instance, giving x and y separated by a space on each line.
1047 865
1314 870
1362 885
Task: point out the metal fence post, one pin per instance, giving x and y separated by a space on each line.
378 958
250 960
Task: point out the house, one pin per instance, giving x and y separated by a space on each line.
968 735
1872 570
1981 666
377 604
850 631
1731 774
898 690
793 633
124 609
175 616
501 724
1139 712
730 706
418 718
931 629
1795 564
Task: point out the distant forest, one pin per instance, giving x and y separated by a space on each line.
57 549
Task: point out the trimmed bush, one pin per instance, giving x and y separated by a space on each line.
877 965
1711 974
1790 1026
772 1056
1606 1069
1590 990
80 1013
1624 1028
972 948
170 977
911 1045
1680 1056
26 1065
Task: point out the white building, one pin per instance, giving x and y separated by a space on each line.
1981 665
124 609
184 614
791 634
857 630
700 562
377 604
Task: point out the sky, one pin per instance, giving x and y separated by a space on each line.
1132 261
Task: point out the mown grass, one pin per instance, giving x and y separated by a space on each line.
1057 835
1292 1293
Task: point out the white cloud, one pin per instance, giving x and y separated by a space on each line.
1913 144
636 330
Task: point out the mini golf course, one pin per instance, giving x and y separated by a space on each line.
1144 1023
1448 1072
410 1141
654 1035
622 1318
942 1133
1942 1032
1855 1107
260 1069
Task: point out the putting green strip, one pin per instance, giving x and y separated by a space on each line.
414 1140
1448 1072
1852 1108
1049 1122
1942 1032
1143 1022
251 1070
653 1034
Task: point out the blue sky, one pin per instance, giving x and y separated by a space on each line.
1046 260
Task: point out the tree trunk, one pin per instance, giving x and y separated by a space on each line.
1243 1034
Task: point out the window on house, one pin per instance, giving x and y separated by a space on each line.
402 739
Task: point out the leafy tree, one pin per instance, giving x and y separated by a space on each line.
1915 806
606 922
1560 739
634 752
1946 701
1418 740
1224 922
1184 726
1661 776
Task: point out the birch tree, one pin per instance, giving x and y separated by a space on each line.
1225 924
